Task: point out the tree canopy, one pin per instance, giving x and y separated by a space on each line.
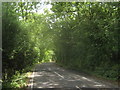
79 35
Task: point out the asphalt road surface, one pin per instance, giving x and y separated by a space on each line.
50 75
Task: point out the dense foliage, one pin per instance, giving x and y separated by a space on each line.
87 36
25 40
83 36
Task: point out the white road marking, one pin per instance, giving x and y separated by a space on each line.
59 75
32 79
86 79
77 87
99 85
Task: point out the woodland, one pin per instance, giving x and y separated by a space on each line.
78 35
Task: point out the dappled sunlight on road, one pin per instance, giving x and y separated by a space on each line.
49 75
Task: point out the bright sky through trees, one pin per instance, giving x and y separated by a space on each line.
43 6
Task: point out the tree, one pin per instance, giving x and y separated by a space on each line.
86 35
